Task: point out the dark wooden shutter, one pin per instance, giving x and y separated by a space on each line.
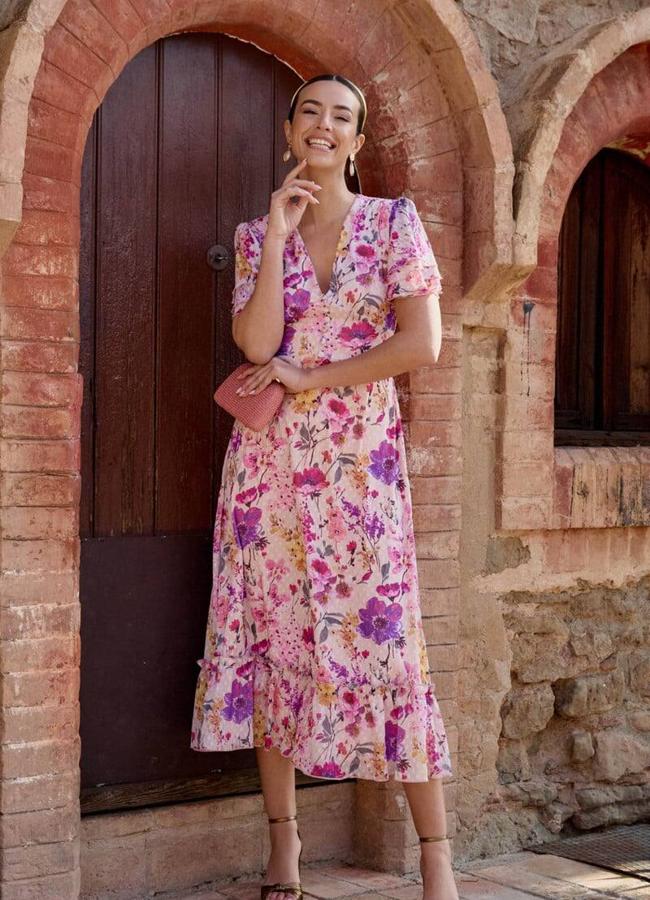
602 391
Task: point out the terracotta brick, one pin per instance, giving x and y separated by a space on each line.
48 688
42 826
39 356
438 545
150 10
122 17
439 630
39 422
44 723
27 388
54 260
42 292
39 490
436 517
29 655
439 602
440 489
46 791
422 460
41 456
528 479
92 30
48 123
40 555
524 513
52 161
18 588
32 523
565 551
49 887
22 323
73 57
532 413
443 657
436 380
438 573
48 227
59 89
50 194
40 620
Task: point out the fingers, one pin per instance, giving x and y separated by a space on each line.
295 169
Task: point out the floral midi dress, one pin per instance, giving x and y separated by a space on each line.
314 641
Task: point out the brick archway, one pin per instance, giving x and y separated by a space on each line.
437 133
567 487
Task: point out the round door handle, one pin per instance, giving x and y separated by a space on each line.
218 256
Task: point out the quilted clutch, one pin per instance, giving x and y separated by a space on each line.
253 410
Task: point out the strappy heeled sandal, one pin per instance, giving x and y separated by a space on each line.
444 838
292 887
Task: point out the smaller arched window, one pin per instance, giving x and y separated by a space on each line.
602 376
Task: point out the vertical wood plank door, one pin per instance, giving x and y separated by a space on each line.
187 143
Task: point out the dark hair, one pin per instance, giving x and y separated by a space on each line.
363 110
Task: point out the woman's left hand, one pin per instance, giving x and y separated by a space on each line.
256 378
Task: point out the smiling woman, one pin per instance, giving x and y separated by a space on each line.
315 651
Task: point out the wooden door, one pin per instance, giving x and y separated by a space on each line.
602 387
187 143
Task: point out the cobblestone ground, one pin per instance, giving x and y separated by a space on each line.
514 877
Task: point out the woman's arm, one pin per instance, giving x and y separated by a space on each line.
416 343
258 328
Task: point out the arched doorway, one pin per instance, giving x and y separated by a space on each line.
187 143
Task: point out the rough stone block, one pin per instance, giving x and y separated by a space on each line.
527 711
588 694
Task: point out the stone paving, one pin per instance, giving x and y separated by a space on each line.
514 877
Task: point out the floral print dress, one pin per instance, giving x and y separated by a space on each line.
314 641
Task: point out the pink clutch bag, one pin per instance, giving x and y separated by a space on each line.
255 410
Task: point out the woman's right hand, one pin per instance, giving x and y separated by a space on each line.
284 213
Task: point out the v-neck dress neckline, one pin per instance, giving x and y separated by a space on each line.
347 221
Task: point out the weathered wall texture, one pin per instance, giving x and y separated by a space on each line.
513 36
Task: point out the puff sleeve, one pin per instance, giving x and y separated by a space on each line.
248 252
411 269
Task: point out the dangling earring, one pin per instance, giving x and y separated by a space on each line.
351 166
286 156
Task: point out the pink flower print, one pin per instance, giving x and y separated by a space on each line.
392 589
310 480
374 526
360 334
384 463
328 770
239 702
380 621
246 524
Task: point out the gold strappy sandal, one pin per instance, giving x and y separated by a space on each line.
444 838
292 887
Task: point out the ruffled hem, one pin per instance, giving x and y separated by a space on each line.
383 732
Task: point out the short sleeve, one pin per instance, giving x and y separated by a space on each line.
412 269
248 252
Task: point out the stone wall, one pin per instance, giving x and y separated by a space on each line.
513 36
575 739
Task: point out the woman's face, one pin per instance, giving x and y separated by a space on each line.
327 110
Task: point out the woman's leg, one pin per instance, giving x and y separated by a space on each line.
278 777
427 804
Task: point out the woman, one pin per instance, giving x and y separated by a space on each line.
314 651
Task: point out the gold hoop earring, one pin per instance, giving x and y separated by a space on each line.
351 166
286 156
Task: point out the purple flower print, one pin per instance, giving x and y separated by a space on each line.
328 770
394 737
380 621
374 526
295 304
358 334
287 339
384 463
246 524
310 480
239 702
